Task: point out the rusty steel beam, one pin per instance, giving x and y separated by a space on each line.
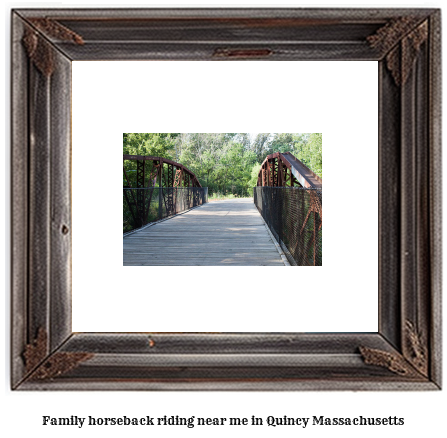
285 170
299 172
192 180
168 175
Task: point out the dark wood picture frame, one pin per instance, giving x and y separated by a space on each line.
405 354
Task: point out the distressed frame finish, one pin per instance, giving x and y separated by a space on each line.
405 354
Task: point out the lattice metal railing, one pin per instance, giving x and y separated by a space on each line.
295 217
144 205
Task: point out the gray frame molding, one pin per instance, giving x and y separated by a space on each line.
405 354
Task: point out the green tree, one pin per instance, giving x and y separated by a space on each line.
253 181
309 150
157 145
260 146
149 144
281 143
224 162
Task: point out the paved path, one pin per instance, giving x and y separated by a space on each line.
220 233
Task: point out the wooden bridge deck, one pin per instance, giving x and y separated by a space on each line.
220 233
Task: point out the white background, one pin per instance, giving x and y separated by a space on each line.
21 412
239 96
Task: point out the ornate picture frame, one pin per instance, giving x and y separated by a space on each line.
405 353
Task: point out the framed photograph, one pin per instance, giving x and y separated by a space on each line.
404 353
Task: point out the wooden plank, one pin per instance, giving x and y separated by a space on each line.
223 233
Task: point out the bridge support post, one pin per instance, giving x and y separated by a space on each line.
160 200
160 191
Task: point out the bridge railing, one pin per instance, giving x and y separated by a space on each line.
142 206
294 216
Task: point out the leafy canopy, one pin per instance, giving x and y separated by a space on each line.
224 162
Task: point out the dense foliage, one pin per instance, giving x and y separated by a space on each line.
225 163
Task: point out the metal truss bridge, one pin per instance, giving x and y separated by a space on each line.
283 226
